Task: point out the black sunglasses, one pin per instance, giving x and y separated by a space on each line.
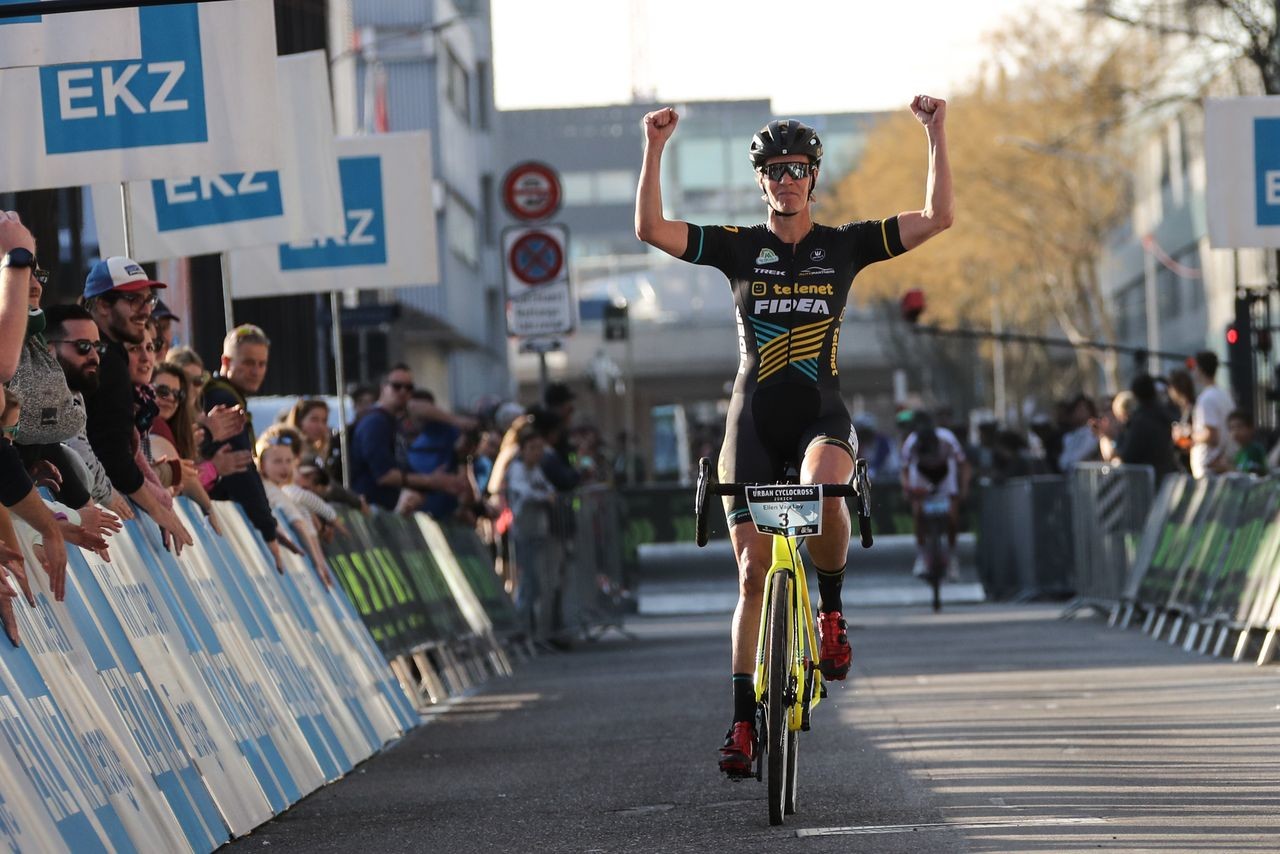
41 274
169 392
83 345
401 386
775 171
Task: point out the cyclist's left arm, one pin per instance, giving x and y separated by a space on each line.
915 227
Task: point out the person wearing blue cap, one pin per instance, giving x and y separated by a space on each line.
121 296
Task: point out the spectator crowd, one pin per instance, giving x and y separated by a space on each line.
114 423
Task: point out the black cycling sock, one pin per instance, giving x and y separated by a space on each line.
744 698
829 584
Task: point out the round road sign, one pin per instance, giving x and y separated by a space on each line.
531 191
536 258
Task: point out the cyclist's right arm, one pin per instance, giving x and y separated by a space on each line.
671 236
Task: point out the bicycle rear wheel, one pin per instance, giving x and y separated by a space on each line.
778 704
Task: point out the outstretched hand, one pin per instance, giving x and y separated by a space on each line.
930 112
660 125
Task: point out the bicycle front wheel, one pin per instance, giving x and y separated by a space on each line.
777 698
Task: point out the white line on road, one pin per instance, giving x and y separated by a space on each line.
867 830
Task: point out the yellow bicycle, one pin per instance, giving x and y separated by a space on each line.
787 683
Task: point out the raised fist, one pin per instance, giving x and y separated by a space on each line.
660 124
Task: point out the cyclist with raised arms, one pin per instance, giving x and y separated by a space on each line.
790 279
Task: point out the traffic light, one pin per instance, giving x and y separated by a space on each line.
912 305
1240 360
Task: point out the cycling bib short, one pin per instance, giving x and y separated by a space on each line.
789 302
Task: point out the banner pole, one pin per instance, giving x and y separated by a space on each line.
340 376
126 208
228 309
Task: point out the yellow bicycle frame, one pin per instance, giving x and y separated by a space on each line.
786 558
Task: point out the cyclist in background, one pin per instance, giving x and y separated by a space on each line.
790 279
933 460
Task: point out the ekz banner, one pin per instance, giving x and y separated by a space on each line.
390 238
1242 154
201 99
205 214
69 37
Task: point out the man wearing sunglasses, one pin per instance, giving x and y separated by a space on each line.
790 279
119 296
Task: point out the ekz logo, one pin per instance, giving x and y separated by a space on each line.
155 100
365 242
213 200
1266 153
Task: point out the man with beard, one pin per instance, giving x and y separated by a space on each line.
119 296
74 339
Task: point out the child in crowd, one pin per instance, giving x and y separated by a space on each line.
1251 458
278 450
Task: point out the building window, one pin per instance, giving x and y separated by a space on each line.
606 187
701 163
457 86
482 95
577 188
486 209
461 230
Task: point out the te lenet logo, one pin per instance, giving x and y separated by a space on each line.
156 100
216 199
365 242
1266 152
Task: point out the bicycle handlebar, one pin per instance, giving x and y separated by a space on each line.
860 489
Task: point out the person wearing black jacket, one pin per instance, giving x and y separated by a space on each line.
245 351
1148 437
120 296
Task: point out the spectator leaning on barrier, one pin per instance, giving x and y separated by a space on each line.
119 295
1079 443
245 352
530 496
1209 418
278 450
1147 440
1182 399
18 494
51 414
76 344
173 437
1250 457
379 460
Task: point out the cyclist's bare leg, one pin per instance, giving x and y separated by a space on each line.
754 552
953 523
829 463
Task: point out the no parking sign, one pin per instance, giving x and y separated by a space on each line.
539 296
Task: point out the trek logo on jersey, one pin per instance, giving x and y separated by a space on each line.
767 256
817 271
759 289
818 255
808 305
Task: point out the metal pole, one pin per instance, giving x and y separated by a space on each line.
997 326
339 371
126 208
633 441
228 310
1153 306
544 378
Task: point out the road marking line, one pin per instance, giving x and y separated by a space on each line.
975 825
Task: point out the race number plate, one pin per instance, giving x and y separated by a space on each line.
937 505
792 511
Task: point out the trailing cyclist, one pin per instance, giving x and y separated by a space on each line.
790 279
933 462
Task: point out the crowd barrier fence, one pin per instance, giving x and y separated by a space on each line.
1025 543
1110 506
171 703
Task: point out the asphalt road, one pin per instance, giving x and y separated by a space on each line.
986 728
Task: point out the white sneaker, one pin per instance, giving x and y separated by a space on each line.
953 568
921 569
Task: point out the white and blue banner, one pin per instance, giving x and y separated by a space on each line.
68 37
390 238
1242 182
207 214
199 100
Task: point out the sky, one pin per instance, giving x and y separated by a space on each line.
808 57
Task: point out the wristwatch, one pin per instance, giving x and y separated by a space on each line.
19 258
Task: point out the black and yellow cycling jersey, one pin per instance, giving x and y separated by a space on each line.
789 302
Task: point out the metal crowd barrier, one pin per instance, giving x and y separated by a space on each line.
1110 505
1025 543
170 703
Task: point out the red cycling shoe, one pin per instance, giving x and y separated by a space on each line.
738 752
834 655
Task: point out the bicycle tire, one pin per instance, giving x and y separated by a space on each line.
793 773
778 706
